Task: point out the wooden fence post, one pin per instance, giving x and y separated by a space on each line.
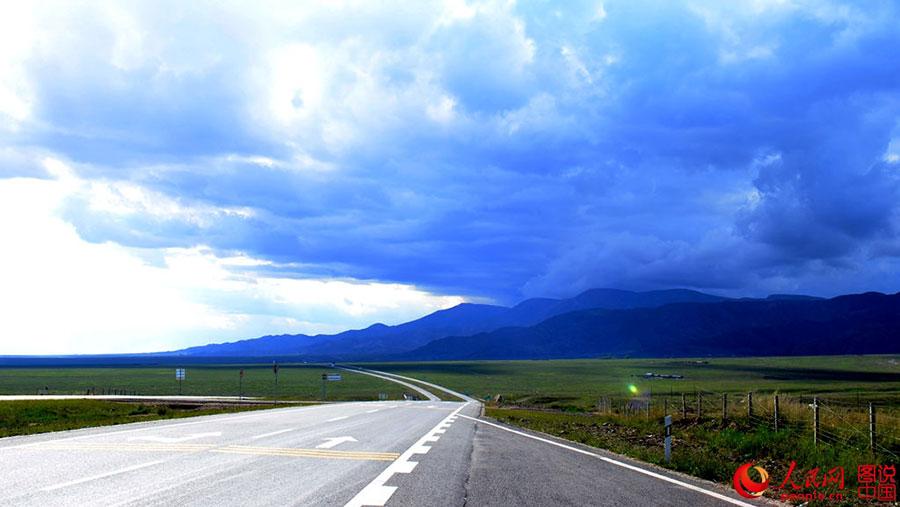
776 412
683 407
724 407
816 422
750 405
872 427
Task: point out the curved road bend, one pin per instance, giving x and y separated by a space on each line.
427 453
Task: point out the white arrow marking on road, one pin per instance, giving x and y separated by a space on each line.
173 440
333 441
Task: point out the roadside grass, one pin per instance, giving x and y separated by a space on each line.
295 382
706 449
40 416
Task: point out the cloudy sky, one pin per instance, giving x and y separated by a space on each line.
176 173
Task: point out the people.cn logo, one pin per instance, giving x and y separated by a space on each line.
747 487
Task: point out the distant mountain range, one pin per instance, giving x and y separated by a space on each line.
461 320
607 323
858 324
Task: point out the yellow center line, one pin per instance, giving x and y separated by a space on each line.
230 449
363 457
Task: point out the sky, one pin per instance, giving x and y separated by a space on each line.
176 173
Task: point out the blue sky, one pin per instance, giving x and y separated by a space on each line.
175 173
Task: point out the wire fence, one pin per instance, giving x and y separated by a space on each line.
864 426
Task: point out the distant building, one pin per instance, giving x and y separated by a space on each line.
651 375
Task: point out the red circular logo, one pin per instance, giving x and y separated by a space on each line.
746 486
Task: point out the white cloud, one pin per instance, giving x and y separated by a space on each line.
16 43
444 111
61 294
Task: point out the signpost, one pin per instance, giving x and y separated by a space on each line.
275 371
329 377
668 424
179 376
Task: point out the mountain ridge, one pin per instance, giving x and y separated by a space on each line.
460 320
864 323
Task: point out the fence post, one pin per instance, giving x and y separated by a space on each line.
724 407
667 422
665 405
750 405
699 405
872 427
776 412
816 422
683 407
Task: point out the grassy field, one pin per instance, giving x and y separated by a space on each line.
39 416
579 384
295 381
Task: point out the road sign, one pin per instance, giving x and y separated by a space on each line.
275 368
332 377
668 424
179 376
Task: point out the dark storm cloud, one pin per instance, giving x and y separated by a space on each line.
507 151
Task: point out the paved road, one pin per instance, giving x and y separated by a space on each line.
428 453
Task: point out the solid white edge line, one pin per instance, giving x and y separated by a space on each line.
340 418
374 373
272 434
429 384
375 492
101 476
618 463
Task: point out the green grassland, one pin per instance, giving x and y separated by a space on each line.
295 381
579 383
38 416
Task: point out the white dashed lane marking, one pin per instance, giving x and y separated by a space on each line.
272 434
376 493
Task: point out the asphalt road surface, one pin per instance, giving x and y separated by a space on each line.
427 453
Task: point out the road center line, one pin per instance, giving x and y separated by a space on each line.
272 434
617 463
102 476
